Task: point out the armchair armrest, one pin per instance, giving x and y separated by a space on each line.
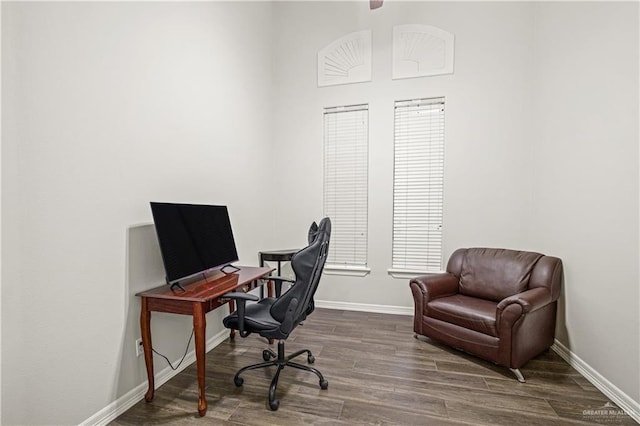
433 286
241 301
517 323
530 300
426 288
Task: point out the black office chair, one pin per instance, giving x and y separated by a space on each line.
275 318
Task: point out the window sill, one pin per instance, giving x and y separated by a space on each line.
404 273
352 271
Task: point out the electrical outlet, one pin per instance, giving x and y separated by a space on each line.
139 348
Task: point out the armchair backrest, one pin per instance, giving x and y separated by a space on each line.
495 274
307 264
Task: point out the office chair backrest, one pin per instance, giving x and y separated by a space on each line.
313 232
307 265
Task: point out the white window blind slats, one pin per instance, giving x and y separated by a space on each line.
418 185
346 142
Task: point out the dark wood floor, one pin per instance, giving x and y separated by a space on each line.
378 374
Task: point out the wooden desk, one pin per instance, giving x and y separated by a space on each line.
199 298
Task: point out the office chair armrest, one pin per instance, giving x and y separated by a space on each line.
241 301
277 278
240 296
278 282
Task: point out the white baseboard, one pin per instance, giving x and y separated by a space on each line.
621 399
362 307
131 398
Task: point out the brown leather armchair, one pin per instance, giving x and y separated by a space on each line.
497 304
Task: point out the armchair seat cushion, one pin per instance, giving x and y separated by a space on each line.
467 312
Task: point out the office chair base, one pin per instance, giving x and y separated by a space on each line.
281 361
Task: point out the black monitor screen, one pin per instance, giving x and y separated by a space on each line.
193 238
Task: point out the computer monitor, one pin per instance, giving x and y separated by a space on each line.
193 238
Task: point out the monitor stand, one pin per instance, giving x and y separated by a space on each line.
176 284
234 269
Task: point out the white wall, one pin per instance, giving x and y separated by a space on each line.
585 191
487 164
107 106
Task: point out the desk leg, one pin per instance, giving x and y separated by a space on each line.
232 308
145 330
199 327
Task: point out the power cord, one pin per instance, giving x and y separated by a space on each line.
183 356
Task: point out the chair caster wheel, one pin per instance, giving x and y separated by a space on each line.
324 384
266 355
311 359
274 404
238 381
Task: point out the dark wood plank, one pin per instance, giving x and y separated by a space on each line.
378 373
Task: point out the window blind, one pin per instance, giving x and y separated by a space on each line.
418 185
346 139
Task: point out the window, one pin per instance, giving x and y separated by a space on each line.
418 186
346 136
